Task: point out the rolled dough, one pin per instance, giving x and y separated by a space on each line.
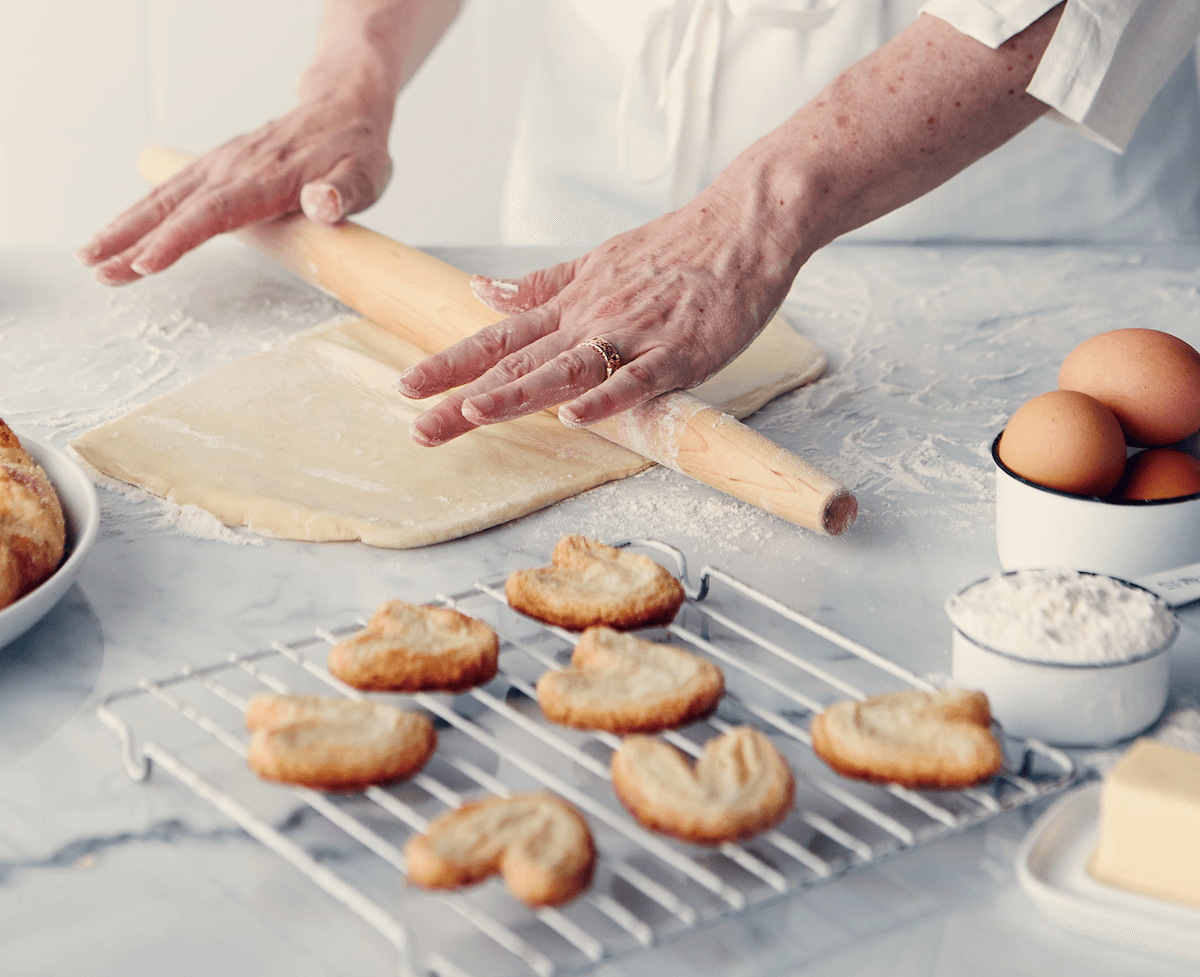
310 441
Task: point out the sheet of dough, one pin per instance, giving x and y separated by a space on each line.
310 441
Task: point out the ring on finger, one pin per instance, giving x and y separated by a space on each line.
612 359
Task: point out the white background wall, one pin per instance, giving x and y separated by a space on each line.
85 84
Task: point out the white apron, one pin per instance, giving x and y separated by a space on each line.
633 106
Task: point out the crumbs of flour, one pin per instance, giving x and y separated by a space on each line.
661 504
138 512
191 520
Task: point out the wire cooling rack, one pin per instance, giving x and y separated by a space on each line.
781 668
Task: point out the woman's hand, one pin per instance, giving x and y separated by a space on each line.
323 157
681 296
328 156
678 299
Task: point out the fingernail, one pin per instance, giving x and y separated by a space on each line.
409 383
569 415
87 254
481 406
321 202
140 268
110 272
427 430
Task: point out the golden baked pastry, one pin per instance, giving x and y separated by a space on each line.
624 684
739 787
32 528
590 583
539 843
331 743
923 740
413 648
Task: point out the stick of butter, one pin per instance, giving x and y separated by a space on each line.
1150 824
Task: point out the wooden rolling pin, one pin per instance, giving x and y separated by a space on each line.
430 304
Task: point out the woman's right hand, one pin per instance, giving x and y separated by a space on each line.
326 157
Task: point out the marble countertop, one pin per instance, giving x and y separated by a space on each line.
930 350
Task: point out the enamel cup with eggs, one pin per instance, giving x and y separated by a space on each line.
1042 527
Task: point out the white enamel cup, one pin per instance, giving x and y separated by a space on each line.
1042 527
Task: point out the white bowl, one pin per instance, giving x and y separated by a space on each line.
81 509
1043 527
1067 703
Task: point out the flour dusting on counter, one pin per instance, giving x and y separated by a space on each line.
191 520
130 511
155 335
662 504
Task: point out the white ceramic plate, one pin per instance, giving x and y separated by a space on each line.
1052 868
82 511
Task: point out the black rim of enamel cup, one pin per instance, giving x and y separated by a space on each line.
1120 663
1134 503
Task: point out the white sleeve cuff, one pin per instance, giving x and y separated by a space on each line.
991 22
1106 61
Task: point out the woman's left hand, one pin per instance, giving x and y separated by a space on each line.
677 298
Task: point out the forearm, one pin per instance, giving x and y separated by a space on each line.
889 129
368 49
679 297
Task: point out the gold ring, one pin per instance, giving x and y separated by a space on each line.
612 359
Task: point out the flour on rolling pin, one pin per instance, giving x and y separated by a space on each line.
656 433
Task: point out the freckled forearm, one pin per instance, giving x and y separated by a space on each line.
889 129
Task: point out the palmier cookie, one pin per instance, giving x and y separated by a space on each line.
539 843
922 740
590 583
739 787
624 684
413 648
32 528
331 743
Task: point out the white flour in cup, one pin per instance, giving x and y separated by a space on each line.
1062 616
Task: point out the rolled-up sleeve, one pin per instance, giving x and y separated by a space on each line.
1106 61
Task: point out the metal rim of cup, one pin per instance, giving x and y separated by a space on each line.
1099 500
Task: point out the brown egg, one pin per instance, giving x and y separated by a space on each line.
1162 473
1149 379
1065 440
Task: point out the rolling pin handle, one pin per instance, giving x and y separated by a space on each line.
839 513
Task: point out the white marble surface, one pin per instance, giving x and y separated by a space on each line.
930 350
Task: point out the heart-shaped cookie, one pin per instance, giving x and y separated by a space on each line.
923 740
416 648
590 583
539 843
624 684
739 787
331 743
